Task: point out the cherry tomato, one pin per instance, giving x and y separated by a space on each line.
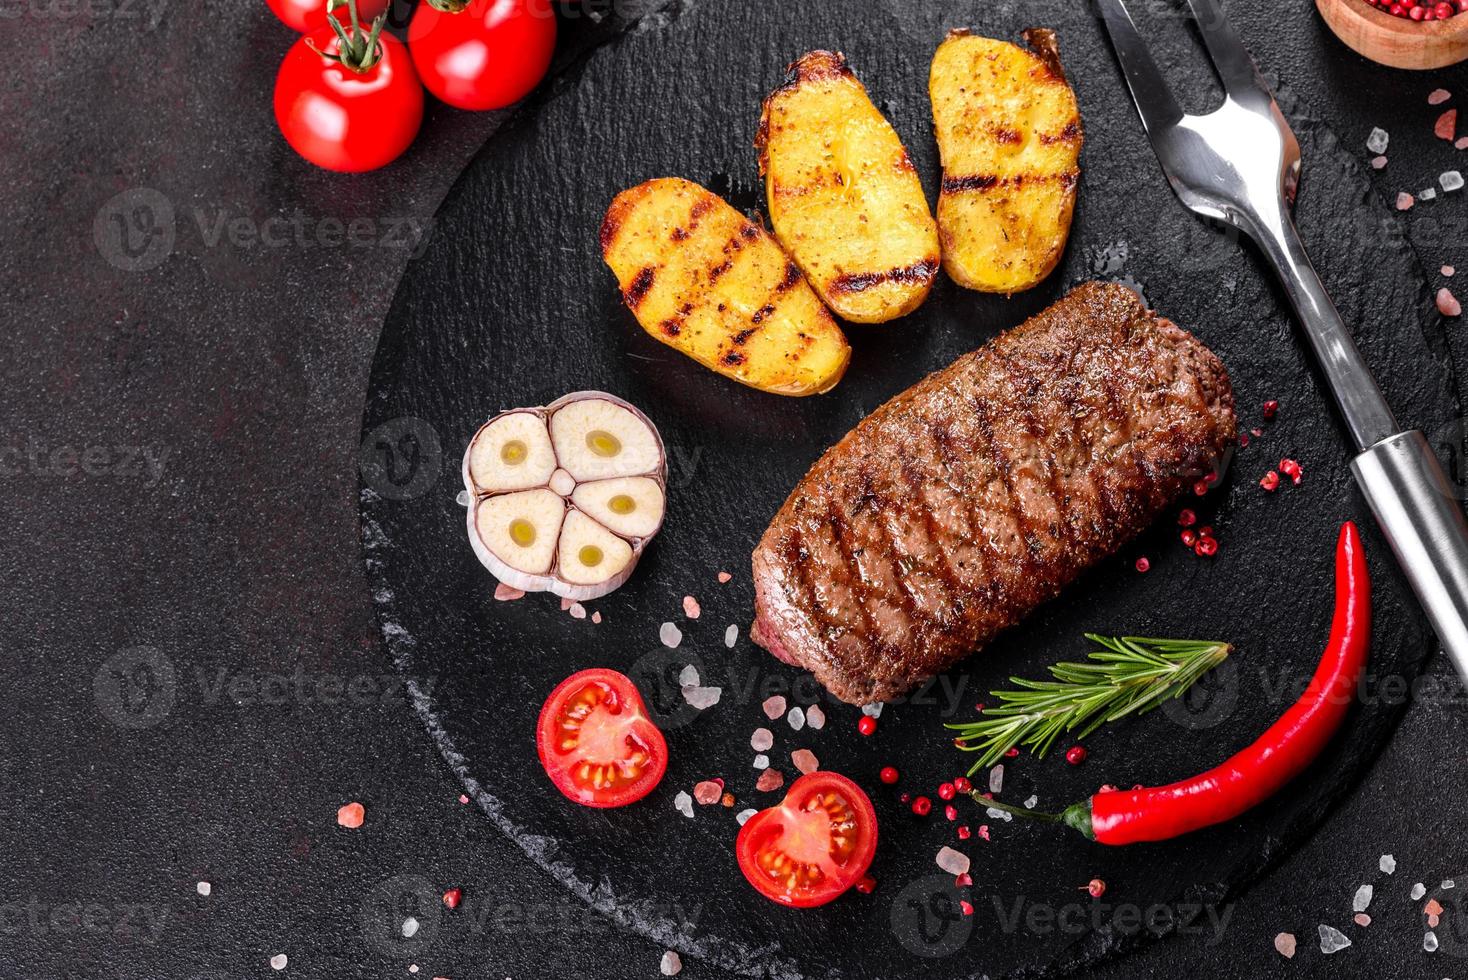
596 742
815 845
341 119
488 55
305 16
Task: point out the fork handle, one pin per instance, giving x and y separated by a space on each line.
1418 509
1419 512
1356 393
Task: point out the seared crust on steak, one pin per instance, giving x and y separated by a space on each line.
982 491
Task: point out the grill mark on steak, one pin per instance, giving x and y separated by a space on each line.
1114 404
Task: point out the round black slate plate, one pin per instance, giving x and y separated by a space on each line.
510 305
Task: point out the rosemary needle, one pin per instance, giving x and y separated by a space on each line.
1129 675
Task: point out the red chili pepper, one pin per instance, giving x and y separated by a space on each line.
1256 772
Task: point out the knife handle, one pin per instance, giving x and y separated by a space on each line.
1420 513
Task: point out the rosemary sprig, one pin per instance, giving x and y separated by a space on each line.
1129 675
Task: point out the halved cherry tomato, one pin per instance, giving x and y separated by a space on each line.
304 16
596 742
815 845
482 54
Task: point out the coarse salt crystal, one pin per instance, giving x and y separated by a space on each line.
1418 890
463 798
1361 919
506 593
774 707
1285 944
762 739
953 862
1332 940
743 816
1362 899
691 608
688 676
1450 180
350 815
1429 942
671 964
1387 864
577 611
762 761
996 779
410 927
1405 200
1427 194
565 604
596 617
724 577
872 710
278 961
805 760
1030 803
796 718
731 636
683 803
994 814
1377 141
708 792
1447 270
1438 96
1447 303
670 635
1433 907
204 888
1446 126
815 717
1461 143
1378 162
770 780
1449 883
702 698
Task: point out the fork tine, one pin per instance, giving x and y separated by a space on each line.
1154 100
1235 67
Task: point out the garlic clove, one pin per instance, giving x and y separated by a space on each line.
520 530
596 439
512 452
589 553
631 506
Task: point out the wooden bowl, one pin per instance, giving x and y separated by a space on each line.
1397 41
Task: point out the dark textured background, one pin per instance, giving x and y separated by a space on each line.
241 362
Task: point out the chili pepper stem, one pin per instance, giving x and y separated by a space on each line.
1077 816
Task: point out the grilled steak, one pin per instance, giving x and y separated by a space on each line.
979 493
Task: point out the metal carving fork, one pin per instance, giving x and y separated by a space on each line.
1240 164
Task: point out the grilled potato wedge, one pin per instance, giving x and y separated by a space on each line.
705 280
1009 135
844 198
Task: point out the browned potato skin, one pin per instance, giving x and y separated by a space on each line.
844 197
1009 134
705 280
